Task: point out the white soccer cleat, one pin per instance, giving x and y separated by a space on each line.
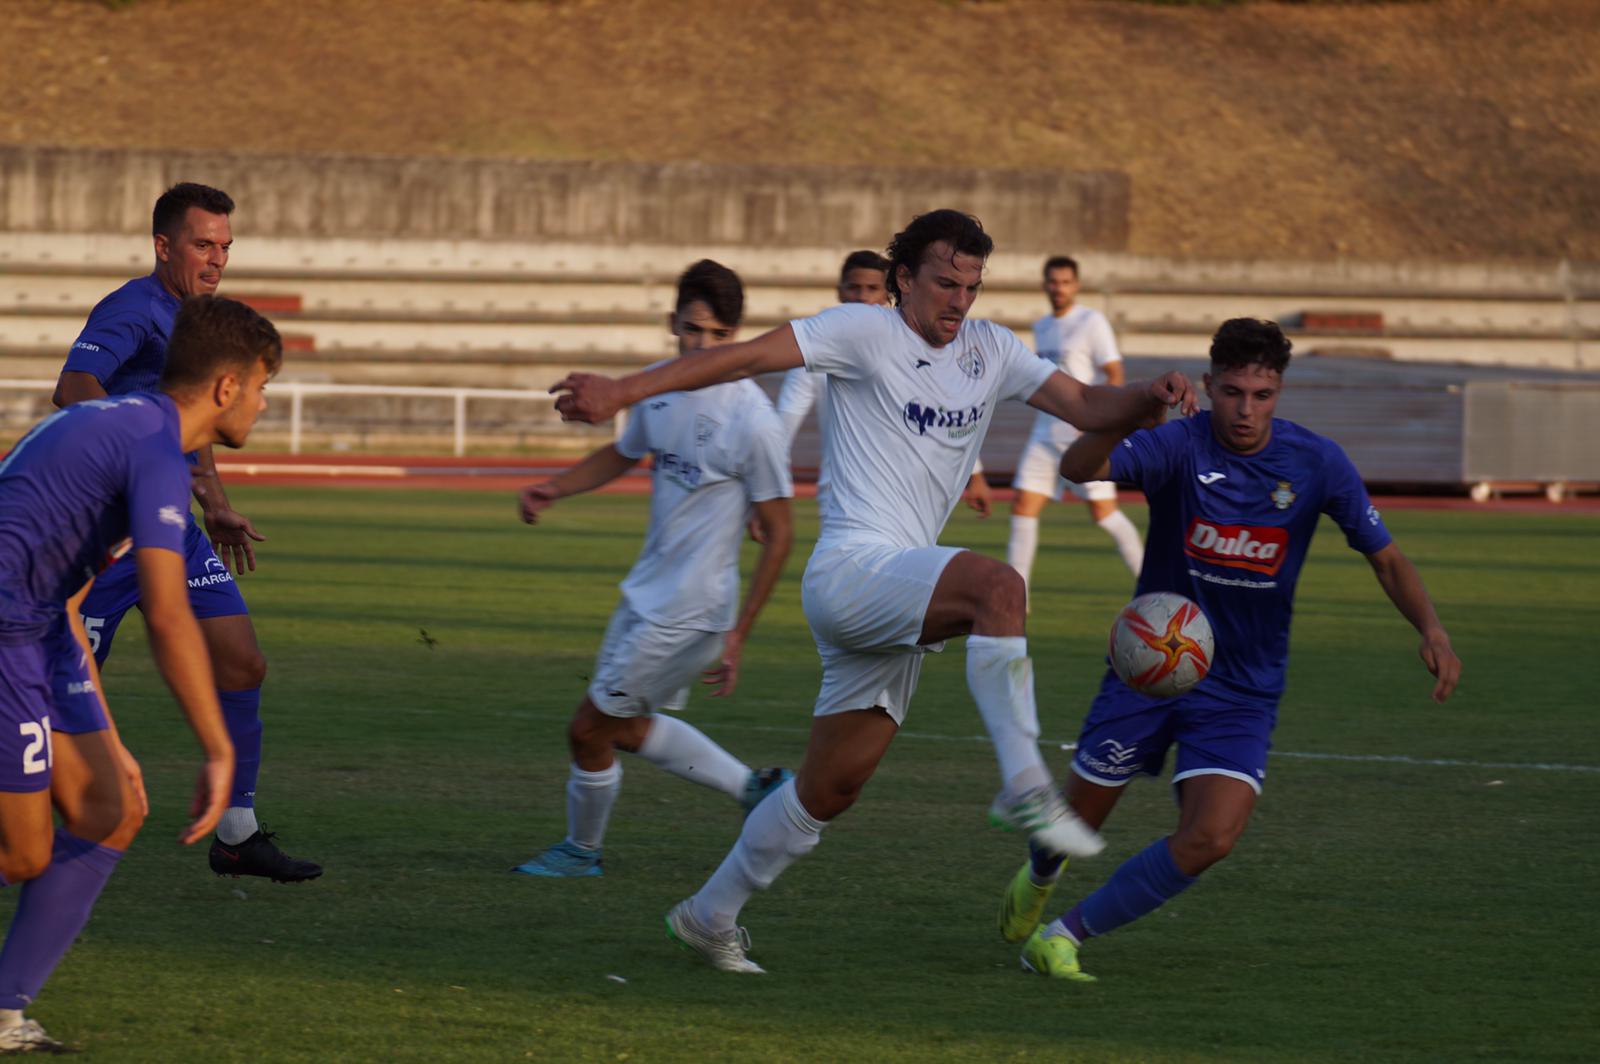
1048 821
724 949
26 1036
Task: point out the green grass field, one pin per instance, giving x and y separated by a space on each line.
1375 911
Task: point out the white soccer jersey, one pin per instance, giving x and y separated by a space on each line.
1082 345
906 420
716 451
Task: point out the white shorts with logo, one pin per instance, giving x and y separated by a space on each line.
1039 471
644 667
866 605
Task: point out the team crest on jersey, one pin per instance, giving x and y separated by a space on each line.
704 429
971 363
1284 496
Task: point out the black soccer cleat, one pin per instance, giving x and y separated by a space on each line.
259 856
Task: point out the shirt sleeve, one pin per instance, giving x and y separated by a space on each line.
1102 342
109 338
841 340
634 441
1150 458
1021 371
766 466
158 494
1349 505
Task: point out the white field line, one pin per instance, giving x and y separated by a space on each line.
1299 755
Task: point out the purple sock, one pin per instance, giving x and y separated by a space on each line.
51 910
1144 883
241 712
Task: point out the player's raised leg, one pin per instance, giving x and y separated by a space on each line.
978 595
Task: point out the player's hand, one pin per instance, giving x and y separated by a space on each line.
1174 390
725 674
977 496
590 397
231 533
535 499
1441 660
135 777
212 789
757 533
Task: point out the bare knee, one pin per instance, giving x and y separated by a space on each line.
827 796
1196 848
240 669
592 736
1003 601
24 861
107 819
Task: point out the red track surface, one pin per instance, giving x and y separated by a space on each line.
509 474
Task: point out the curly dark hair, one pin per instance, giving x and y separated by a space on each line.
1242 342
714 285
212 334
909 248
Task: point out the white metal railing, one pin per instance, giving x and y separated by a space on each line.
299 390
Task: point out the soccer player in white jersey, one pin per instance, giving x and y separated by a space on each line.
864 278
914 389
718 453
1079 340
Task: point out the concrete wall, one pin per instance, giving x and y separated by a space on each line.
111 191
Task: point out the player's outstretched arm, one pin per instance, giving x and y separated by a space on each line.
180 652
1089 456
599 468
1403 584
776 522
592 398
1097 408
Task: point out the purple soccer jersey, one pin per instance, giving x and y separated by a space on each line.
74 490
124 343
1231 532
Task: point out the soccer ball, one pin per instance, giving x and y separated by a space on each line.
1161 644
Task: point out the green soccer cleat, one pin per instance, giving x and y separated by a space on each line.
1022 905
1055 956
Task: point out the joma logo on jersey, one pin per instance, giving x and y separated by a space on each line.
1252 547
958 423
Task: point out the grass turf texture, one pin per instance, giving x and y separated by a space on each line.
1373 911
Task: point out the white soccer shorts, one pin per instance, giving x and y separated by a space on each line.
866 606
1039 471
643 667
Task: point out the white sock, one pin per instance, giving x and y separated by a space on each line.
1126 536
590 796
1000 677
1023 545
237 824
686 752
776 835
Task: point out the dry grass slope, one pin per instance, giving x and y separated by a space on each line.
1442 130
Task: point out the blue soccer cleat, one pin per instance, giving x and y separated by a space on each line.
563 861
762 782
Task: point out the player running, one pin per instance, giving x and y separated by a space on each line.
718 454
74 493
913 391
122 350
1235 496
1079 340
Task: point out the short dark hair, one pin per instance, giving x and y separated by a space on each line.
863 260
909 248
1242 342
211 335
1060 262
714 285
175 202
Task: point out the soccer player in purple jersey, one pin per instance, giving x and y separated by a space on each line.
122 349
1235 496
95 481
